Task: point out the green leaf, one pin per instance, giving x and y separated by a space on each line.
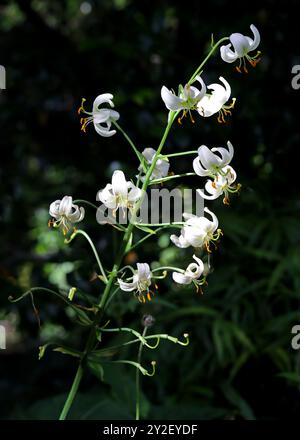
145 229
291 377
69 351
59 348
235 398
97 369
129 244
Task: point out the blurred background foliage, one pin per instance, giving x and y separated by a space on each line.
239 363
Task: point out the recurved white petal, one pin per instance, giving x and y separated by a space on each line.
254 43
208 159
181 278
65 206
103 98
54 209
107 197
198 168
119 184
148 154
240 43
227 54
214 218
171 101
104 131
127 287
180 241
144 272
134 193
226 155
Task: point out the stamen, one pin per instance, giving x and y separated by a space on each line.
252 60
207 247
84 122
191 117
181 117
226 200
81 108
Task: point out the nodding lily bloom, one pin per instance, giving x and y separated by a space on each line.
198 231
140 283
187 99
161 168
65 214
192 273
101 117
214 102
210 162
119 193
239 47
222 184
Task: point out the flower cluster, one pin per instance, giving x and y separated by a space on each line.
64 214
206 104
214 164
201 232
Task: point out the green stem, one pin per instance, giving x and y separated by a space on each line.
111 297
183 153
168 268
72 393
116 226
207 58
80 231
114 272
145 238
161 224
86 202
137 378
138 154
165 179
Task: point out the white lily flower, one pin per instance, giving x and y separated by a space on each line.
214 102
119 193
161 168
186 100
222 184
198 231
141 281
65 214
192 272
101 117
242 45
210 162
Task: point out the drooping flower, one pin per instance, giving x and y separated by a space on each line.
210 161
186 100
198 231
222 184
119 193
161 168
140 283
101 117
214 102
65 214
241 45
192 273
